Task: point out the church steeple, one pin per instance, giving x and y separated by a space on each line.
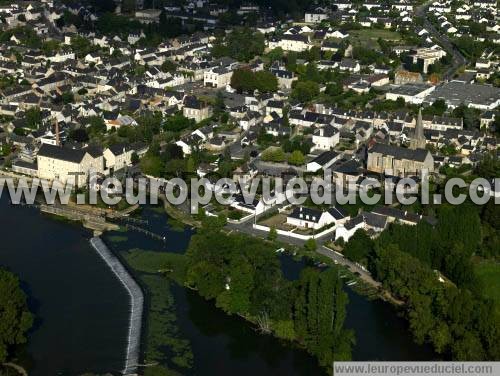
418 140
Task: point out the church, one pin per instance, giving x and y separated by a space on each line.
399 161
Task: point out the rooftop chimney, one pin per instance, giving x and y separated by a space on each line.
58 141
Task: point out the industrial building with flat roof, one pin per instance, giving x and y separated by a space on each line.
455 93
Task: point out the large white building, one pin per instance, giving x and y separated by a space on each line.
68 165
218 77
313 218
326 138
288 42
315 16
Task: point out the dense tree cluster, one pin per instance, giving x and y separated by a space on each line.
243 275
273 154
241 44
305 91
245 80
450 312
15 318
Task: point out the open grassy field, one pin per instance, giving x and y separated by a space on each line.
489 273
366 37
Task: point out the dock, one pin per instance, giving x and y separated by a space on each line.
146 232
136 304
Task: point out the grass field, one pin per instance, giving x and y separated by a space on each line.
366 37
489 273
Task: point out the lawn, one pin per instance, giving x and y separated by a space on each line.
366 37
489 273
275 221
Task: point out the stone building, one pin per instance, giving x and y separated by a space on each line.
63 164
399 161
418 140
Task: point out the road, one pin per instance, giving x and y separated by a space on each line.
458 59
247 228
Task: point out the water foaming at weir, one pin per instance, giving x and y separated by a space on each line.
136 304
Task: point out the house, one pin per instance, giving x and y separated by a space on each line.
189 142
401 216
348 229
255 207
285 78
325 138
218 77
117 157
323 161
196 109
374 223
296 43
403 77
315 16
349 65
304 217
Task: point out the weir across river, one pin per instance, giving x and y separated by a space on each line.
136 304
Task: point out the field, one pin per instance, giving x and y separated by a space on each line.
489 273
367 37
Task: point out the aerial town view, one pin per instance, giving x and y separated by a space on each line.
262 187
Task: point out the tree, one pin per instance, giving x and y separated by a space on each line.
296 158
177 123
319 316
276 54
310 245
305 91
470 116
273 154
128 6
241 44
81 45
437 108
359 246
489 167
134 158
79 135
67 97
334 89
168 66
219 105
33 118
273 234
244 80
15 318
95 125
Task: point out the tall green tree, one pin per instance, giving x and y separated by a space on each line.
15 318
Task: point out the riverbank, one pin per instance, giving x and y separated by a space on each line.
226 344
80 309
383 335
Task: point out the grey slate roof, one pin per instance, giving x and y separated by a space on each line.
399 152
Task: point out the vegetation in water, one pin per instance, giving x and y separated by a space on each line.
117 238
243 275
164 343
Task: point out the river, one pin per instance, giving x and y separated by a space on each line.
82 309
